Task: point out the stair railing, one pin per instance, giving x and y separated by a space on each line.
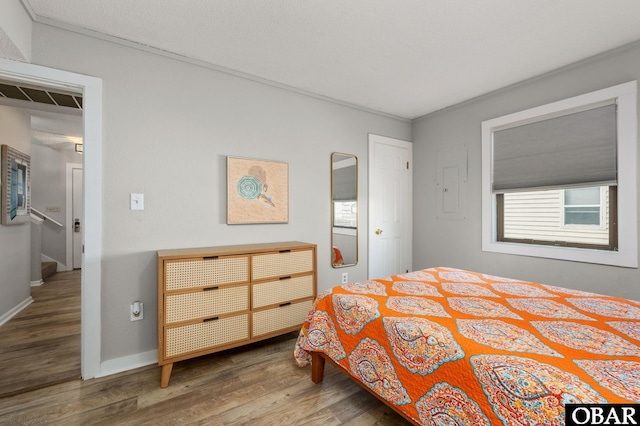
45 217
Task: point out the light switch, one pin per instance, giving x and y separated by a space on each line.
137 201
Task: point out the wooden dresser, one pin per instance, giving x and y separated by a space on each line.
215 298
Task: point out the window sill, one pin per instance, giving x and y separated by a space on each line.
623 258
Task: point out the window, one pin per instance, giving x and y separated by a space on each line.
345 214
572 217
553 176
583 206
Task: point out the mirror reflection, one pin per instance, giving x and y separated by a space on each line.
344 202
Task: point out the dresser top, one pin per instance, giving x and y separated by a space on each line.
234 249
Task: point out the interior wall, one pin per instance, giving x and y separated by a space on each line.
459 242
15 240
15 31
168 128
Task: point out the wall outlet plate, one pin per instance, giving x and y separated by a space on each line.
137 307
345 277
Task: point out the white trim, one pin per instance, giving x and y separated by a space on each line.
36 283
129 362
91 275
627 254
69 213
15 310
207 65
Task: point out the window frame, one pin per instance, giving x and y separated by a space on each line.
626 255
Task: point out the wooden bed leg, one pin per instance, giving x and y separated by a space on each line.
166 374
317 367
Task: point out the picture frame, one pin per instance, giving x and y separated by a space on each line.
15 186
257 191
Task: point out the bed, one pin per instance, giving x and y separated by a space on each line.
449 346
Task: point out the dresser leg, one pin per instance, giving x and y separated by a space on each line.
166 374
317 367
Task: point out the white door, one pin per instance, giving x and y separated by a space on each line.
390 201
77 217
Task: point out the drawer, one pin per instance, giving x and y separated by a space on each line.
185 274
275 292
205 335
272 320
206 303
282 263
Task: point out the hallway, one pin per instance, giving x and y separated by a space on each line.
40 346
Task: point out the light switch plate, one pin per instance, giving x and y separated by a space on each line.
137 201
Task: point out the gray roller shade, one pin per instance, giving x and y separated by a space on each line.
577 149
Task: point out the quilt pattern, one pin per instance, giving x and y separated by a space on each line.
448 346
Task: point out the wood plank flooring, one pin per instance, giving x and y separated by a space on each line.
40 346
258 384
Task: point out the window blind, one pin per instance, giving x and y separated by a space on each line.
577 149
344 184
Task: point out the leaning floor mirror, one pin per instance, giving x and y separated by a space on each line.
344 205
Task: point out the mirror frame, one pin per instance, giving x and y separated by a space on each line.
355 159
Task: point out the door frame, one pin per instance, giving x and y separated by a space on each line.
91 274
373 140
69 210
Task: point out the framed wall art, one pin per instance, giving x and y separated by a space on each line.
15 185
257 191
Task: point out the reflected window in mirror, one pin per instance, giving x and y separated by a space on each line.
344 206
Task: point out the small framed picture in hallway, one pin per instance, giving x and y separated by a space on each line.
15 185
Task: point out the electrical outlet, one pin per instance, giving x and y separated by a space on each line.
345 277
137 311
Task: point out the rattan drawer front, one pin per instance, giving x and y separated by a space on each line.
206 304
279 264
203 335
272 320
275 292
180 275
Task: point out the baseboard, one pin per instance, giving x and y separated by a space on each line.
60 267
129 362
37 283
16 309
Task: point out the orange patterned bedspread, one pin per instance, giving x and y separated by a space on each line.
449 346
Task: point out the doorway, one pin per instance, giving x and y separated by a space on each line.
91 88
390 204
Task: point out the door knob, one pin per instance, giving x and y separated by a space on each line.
378 231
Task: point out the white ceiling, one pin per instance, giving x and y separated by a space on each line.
405 58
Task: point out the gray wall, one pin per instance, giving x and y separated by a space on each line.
168 127
15 240
457 243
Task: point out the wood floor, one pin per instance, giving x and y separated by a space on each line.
40 346
257 384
